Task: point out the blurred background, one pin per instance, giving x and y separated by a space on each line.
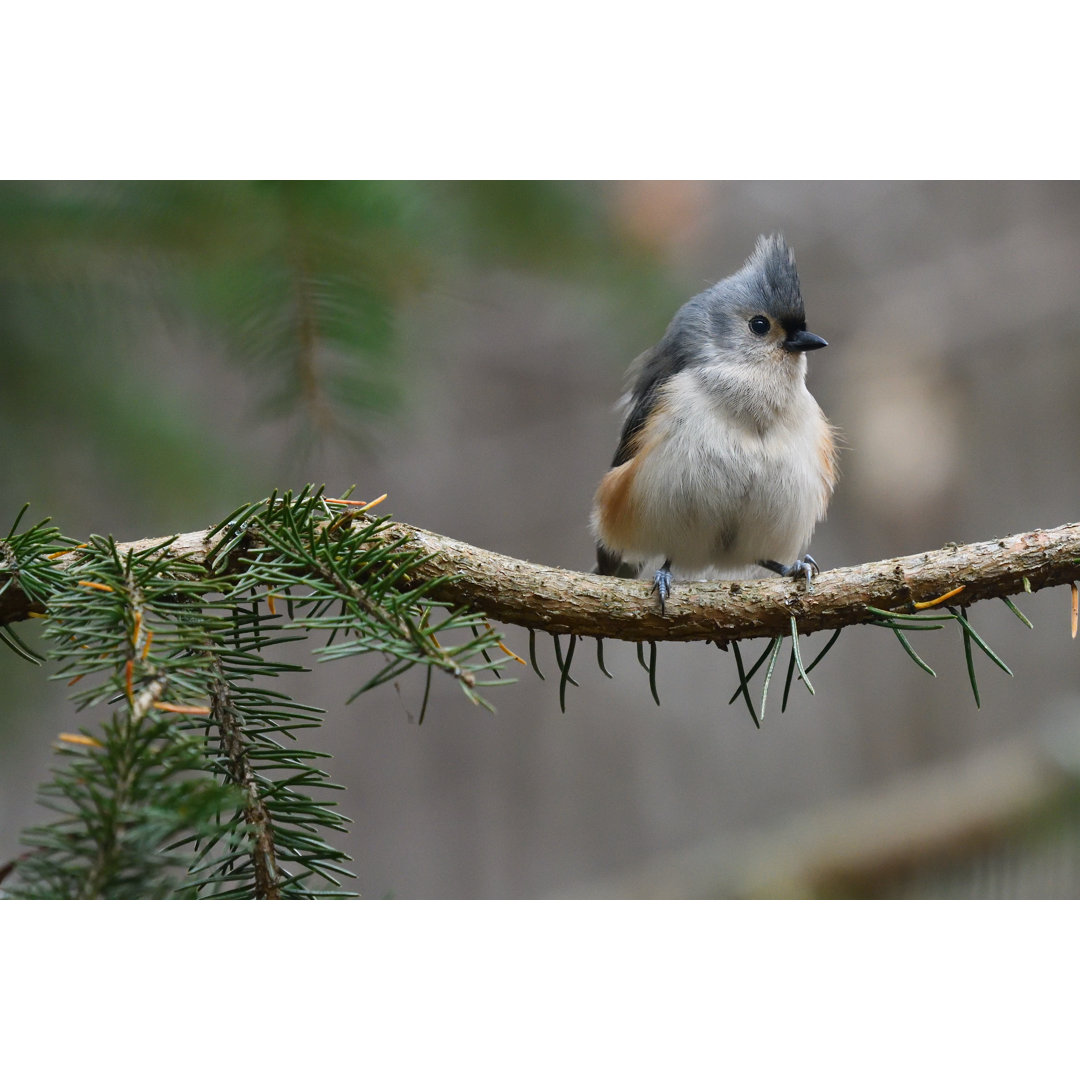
170 350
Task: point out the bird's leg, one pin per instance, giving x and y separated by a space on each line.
662 584
804 566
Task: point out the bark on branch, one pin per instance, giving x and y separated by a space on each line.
566 602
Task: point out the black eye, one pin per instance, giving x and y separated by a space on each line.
760 325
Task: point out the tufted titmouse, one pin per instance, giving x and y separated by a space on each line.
725 459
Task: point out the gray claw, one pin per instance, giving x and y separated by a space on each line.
807 566
662 584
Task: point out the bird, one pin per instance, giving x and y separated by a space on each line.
726 462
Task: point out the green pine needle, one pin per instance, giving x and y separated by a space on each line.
911 652
774 651
744 689
652 672
1018 613
798 656
970 632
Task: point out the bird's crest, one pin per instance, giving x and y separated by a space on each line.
769 280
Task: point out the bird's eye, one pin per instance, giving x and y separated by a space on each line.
759 325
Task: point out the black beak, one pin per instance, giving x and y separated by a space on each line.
803 341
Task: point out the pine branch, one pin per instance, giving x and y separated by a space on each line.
188 789
563 601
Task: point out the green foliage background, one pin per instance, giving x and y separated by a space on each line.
295 288
296 285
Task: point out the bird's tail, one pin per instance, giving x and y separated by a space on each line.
611 564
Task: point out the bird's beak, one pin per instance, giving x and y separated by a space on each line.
803 341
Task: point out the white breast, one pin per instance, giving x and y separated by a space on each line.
717 487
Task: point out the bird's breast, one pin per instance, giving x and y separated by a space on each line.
711 484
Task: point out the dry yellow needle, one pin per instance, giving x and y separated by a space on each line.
940 600
508 652
79 740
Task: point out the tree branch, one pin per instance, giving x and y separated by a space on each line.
566 602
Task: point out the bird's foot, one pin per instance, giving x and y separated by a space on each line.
662 584
805 567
